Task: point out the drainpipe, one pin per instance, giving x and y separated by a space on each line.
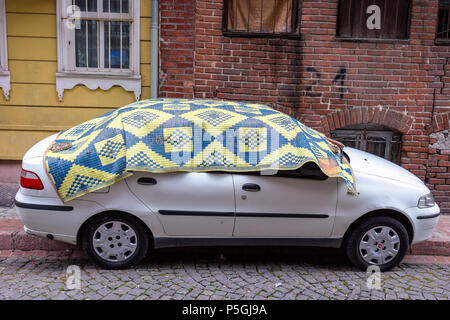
154 50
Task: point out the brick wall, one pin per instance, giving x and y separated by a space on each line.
438 177
176 45
325 82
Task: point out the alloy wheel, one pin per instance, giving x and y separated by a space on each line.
379 245
114 241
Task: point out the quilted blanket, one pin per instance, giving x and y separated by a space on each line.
170 135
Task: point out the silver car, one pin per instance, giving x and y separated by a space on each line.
119 224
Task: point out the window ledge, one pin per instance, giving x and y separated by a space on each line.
249 34
442 42
5 83
375 40
94 80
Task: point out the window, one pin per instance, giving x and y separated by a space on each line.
4 73
374 139
98 45
309 170
443 25
261 18
373 19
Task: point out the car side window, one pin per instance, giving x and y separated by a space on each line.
309 170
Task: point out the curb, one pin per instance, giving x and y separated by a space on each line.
424 259
13 237
431 247
43 254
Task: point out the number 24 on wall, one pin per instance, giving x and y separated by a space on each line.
340 77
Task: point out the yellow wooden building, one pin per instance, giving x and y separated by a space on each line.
65 61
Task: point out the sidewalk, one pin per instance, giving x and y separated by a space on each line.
439 244
13 237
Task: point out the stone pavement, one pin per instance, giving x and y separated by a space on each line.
7 193
7 212
211 273
244 273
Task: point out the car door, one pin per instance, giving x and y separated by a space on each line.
188 203
289 204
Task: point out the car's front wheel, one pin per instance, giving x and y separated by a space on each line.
115 241
381 241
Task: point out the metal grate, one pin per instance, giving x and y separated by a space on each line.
385 144
261 18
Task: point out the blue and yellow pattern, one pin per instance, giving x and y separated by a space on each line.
170 135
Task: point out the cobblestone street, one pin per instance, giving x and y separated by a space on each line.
245 274
221 273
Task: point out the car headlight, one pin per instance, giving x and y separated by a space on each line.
426 201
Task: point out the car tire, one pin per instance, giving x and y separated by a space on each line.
115 241
382 241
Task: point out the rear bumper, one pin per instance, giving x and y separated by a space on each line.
59 237
43 216
424 221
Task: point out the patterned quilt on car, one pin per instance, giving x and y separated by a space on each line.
170 135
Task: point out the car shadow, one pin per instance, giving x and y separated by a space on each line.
244 255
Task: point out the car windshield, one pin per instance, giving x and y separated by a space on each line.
346 156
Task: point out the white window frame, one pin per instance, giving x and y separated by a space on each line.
68 75
5 81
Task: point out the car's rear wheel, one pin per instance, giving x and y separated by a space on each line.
381 241
115 241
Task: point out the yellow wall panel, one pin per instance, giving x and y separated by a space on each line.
31 6
80 96
33 110
146 8
145 49
31 49
145 93
11 149
45 118
145 28
31 25
145 75
32 71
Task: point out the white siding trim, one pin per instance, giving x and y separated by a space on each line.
5 81
68 77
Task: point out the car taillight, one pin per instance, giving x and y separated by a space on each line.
30 180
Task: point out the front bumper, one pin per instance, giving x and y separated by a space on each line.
423 221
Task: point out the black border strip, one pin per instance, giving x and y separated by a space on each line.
239 214
428 217
196 213
280 215
42 206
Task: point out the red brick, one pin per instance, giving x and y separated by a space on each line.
5 240
5 253
392 84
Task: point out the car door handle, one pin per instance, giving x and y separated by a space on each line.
146 181
252 187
